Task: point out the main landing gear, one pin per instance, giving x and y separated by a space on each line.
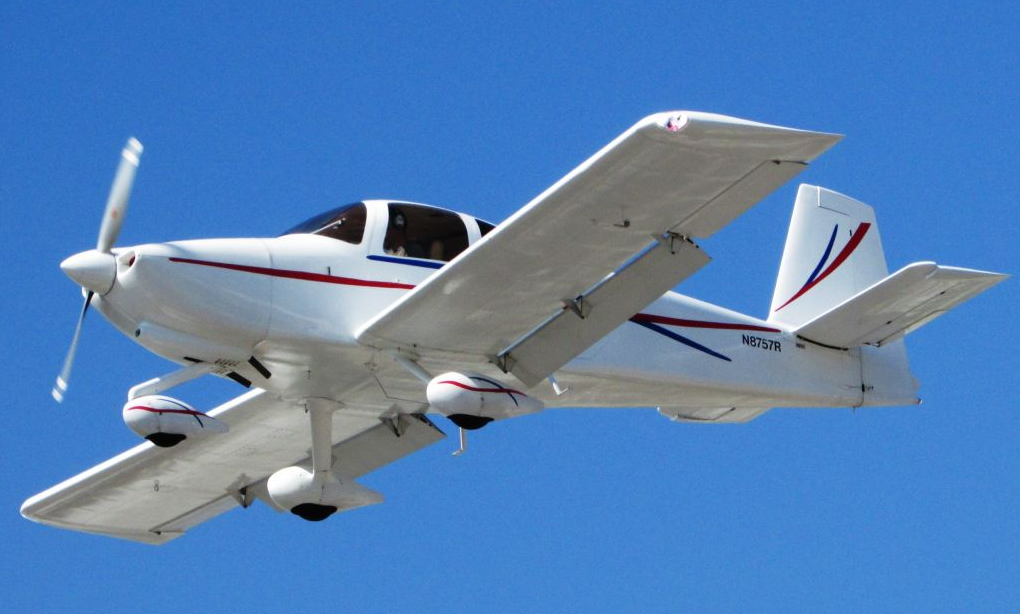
317 494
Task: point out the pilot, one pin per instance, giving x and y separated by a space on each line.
398 241
396 235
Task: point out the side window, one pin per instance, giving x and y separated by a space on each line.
484 227
424 232
348 226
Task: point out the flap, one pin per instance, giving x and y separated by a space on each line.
153 495
687 173
596 313
897 305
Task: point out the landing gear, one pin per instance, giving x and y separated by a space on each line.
469 422
320 413
166 440
465 423
317 494
313 512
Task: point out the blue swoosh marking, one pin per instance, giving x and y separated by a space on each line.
684 340
497 385
825 257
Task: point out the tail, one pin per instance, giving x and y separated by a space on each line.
834 290
833 251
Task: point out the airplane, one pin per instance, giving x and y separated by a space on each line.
355 326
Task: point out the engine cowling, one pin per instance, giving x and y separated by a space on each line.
472 401
166 422
294 489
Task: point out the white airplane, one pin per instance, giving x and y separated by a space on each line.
352 326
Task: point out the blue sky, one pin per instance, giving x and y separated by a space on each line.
255 117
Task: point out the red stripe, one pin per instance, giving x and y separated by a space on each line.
473 389
647 317
855 240
154 410
302 275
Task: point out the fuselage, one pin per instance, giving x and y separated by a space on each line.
296 303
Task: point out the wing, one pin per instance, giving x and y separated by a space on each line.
153 495
598 246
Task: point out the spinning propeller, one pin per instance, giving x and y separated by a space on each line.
95 270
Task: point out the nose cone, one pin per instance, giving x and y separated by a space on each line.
92 270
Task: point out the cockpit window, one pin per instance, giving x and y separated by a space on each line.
345 223
424 232
484 227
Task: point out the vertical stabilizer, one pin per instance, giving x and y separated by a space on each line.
833 251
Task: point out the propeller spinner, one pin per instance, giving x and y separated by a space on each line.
95 270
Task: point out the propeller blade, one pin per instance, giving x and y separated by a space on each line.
61 386
117 203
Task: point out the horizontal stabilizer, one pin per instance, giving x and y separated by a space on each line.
897 305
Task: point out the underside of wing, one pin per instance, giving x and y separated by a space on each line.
713 415
598 246
153 495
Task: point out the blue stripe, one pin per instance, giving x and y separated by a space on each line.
497 385
825 257
427 264
683 340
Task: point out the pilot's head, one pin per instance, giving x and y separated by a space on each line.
397 220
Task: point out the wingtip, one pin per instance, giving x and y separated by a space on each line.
800 144
26 510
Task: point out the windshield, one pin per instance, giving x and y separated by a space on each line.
346 223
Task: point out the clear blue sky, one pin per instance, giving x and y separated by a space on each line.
255 117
